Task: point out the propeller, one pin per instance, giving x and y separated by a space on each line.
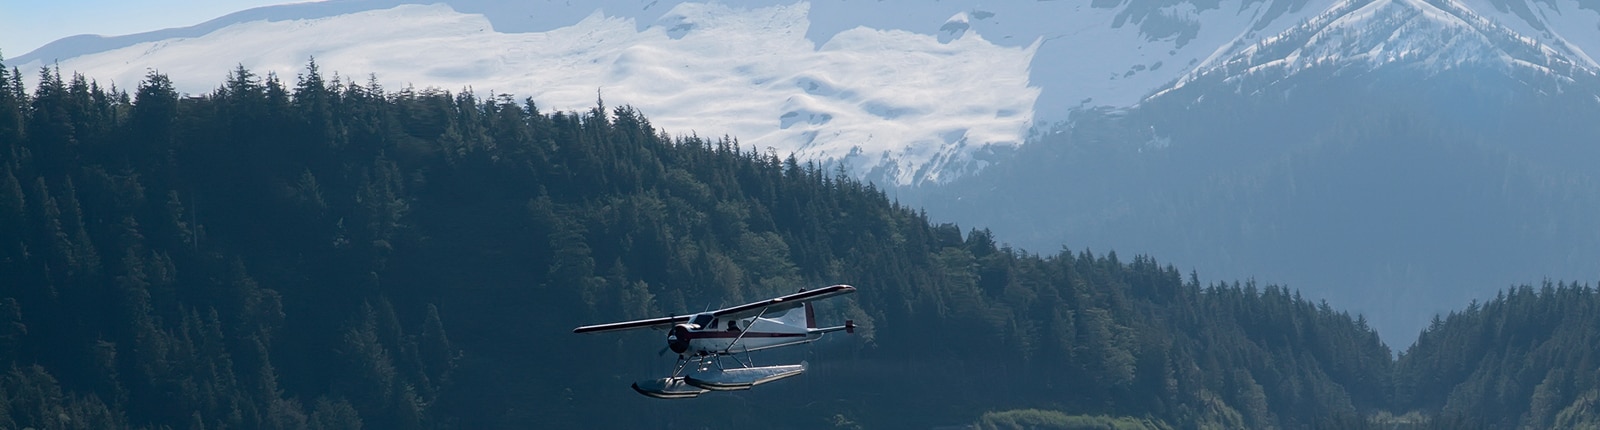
678 339
670 337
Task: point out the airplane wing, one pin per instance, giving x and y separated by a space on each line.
772 306
655 323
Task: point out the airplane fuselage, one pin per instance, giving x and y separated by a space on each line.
705 334
765 334
750 334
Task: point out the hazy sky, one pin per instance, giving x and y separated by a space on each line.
28 24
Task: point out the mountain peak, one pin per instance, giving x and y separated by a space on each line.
1358 36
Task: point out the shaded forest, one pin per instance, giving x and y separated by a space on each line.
329 254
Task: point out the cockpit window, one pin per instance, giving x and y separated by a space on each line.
702 320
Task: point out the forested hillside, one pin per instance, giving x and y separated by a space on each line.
1528 359
330 254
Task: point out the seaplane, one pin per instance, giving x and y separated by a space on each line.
705 340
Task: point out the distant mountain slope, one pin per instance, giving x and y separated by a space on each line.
1362 157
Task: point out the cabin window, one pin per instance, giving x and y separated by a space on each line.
702 320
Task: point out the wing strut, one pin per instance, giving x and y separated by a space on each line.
746 330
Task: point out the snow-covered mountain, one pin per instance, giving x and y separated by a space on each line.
900 91
1571 25
1358 37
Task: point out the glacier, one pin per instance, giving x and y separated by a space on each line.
887 104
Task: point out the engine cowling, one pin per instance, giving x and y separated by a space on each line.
678 338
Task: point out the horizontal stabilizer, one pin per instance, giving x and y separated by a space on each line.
667 388
742 378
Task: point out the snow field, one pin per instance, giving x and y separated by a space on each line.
892 102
